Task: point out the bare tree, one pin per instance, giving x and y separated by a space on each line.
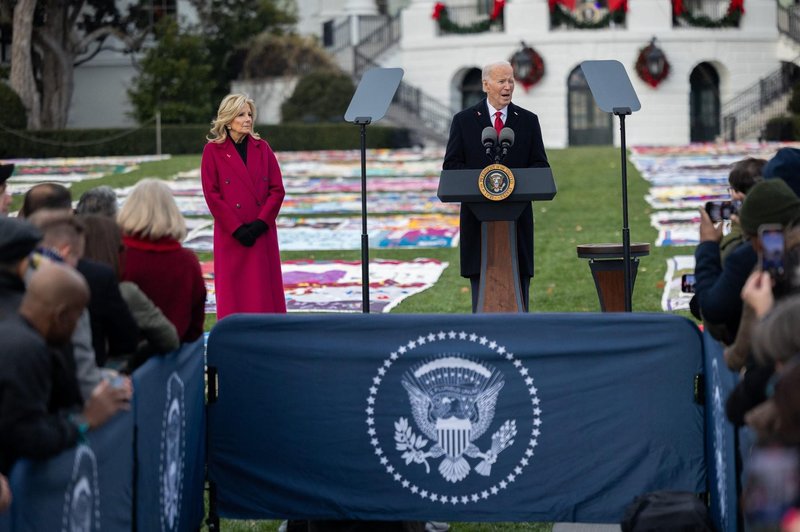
50 39
22 80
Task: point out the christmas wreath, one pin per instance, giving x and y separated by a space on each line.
731 18
528 67
644 72
448 26
562 12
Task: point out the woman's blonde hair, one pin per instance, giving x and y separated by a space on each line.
228 110
151 212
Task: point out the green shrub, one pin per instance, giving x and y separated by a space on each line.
794 102
14 115
781 128
175 79
321 96
189 139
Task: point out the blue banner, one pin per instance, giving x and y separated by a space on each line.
453 417
720 439
170 447
87 488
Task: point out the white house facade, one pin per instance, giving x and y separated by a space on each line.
709 67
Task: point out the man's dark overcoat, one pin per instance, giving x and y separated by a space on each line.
464 150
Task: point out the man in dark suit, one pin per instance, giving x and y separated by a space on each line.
464 150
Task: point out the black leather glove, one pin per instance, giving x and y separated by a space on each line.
257 228
244 235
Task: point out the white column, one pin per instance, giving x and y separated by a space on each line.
650 17
525 19
360 7
417 23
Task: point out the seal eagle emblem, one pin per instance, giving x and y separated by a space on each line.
437 445
453 401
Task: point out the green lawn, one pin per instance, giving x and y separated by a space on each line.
587 209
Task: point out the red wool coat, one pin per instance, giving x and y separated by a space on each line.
247 279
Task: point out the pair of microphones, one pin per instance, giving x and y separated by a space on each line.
499 144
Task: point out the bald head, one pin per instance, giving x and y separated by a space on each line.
55 297
45 196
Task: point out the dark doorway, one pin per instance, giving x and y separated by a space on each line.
704 103
471 88
588 124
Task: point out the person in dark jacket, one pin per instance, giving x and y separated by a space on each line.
465 151
34 423
17 239
718 289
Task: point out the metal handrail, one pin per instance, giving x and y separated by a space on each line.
789 21
744 111
427 110
378 41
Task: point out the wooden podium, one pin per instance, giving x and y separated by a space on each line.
500 290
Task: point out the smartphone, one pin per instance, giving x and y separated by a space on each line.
771 238
720 210
687 283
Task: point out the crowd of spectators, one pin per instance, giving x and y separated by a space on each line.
86 296
750 301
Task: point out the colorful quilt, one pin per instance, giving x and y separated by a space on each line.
384 232
335 285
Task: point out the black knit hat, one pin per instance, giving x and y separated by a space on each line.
769 202
17 239
5 172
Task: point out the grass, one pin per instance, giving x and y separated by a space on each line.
587 209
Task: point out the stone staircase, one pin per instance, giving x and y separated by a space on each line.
744 117
427 119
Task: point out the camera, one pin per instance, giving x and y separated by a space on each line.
720 210
687 283
771 238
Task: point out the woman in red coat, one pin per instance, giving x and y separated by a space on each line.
169 274
244 191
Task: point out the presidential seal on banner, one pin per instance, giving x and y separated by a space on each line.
446 444
496 182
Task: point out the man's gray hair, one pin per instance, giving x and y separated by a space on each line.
487 69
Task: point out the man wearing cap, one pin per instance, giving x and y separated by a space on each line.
17 239
5 198
718 289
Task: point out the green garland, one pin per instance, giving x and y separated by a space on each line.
559 15
730 20
448 26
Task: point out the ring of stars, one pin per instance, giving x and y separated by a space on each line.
489 344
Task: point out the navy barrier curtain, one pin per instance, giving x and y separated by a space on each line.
453 417
87 488
170 449
720 439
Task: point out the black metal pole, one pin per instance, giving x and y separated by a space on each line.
364 235
626 232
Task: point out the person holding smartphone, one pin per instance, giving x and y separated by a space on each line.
718 288
743 176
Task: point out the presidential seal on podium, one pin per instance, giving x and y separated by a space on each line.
496 182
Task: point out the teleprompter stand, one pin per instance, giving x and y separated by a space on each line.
500 290
612 90
368 105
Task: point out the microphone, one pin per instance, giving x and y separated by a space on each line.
489 139
506 139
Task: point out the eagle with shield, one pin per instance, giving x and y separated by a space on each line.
453 402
